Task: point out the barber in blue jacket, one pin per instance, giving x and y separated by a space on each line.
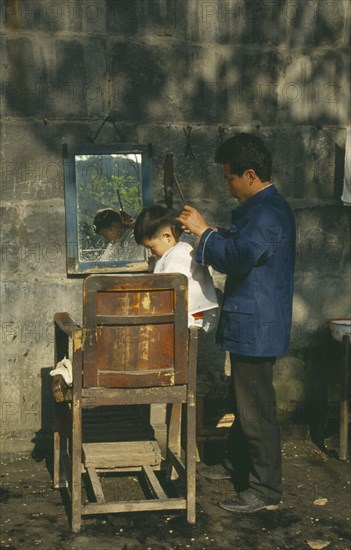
257 253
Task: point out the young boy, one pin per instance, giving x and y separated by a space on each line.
157 229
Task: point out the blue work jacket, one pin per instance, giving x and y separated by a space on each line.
258 254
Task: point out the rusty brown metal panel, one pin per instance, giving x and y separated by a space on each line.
134 348
136 302
143 341
129 379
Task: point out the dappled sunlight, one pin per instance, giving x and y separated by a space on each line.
300 309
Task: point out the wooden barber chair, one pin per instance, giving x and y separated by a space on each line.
134 349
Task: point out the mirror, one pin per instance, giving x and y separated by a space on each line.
106 187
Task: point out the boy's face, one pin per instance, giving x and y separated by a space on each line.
113 232
161 242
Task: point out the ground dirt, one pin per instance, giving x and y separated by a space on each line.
33 513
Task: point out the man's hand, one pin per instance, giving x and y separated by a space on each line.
191 219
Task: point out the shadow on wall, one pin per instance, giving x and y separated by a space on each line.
319 408
44 440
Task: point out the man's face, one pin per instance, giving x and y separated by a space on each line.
238 185
113 232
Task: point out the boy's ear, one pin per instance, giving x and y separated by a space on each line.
167 233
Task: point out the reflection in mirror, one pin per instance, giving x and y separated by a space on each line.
109 198
106 187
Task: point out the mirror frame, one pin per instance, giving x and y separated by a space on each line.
75 266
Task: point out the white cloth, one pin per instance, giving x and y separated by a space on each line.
346 193
64 368
201 291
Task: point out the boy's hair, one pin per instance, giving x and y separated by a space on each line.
151 220
105 218
244 151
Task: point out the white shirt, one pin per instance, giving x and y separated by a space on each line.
201 291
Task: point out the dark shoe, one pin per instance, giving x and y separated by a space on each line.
247 502
217 471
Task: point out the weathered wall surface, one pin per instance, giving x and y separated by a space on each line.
279 68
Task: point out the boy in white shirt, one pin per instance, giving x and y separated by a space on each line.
157 229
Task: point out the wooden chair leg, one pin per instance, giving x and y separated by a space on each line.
76 481
191 458
174 434
60 445
57 439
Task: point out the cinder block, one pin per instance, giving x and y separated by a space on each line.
308 163
321 236
155 18
313 88
32 156
11 239
264 22
44 242
54 78
44 15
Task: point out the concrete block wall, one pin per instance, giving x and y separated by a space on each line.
279 68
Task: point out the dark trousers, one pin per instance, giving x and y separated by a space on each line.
254 438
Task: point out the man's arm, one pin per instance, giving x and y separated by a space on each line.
237 253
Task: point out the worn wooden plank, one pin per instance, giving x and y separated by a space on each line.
190 447
134 506
176 461
191 455
154 483
96 485
134 319
76 455
119 396
67 324
121 454
66 473
174 435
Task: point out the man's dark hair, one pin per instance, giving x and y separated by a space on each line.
244 151
151 220
105 218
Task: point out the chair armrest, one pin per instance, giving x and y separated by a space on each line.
193 347
65 323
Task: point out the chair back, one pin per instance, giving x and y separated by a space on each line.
135 330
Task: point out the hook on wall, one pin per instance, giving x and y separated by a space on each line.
189 153
221 131
106 119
